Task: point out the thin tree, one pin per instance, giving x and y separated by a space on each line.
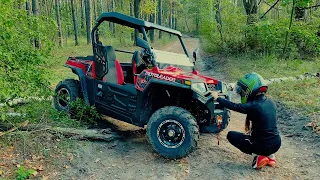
160 16
136 13
35 12
28 7
251 7
113 27
152 18
131 14
94 4
83 19
59 22
101 7
75 23
170 15
173 15
287 33
218 18
88 20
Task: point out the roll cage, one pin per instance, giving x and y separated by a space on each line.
140 26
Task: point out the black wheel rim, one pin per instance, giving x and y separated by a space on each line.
171 133
63 98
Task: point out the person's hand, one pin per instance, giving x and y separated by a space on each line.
215 94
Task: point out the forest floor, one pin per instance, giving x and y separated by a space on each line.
132 157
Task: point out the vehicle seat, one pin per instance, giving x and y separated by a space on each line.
115 73
137 65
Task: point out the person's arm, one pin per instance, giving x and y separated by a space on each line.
242 108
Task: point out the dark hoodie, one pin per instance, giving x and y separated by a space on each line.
263 114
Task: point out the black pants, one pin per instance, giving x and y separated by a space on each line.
243 143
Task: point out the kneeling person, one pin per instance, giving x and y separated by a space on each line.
262 140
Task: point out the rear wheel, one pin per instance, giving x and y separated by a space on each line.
66 92
173 132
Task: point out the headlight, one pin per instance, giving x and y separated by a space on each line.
200 87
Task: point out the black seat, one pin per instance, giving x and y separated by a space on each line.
115 72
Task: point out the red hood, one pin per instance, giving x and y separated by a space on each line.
178 73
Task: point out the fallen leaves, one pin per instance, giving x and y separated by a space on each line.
314 126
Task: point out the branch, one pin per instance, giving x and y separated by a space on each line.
15 128
269 9
312 6
91 134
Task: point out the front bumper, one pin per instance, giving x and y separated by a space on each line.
217 117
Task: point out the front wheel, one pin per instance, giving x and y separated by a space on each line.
173 132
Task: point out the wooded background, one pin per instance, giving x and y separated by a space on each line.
29 29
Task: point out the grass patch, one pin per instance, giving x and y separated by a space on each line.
40 112
268 66
303 94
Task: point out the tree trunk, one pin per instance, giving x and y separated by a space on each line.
80 134
131 14
113 9
28 7
35 11
59 22
173 15
170 16
300 13
88 20
287 33
176 17
136 13
101 7
75 23
83 20
251 7
152 18
218 18
160 16
197 19
94 4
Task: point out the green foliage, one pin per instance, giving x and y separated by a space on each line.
233 29
21 72
22 173
83 112
264 37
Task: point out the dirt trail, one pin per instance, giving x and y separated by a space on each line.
132 157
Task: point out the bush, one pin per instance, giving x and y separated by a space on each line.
84 113
21 72
265 37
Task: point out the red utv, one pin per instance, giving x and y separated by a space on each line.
158 89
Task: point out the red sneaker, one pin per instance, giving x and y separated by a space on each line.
259 161
272 160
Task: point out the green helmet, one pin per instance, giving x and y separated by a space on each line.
250 85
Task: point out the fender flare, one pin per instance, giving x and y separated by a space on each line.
82 79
